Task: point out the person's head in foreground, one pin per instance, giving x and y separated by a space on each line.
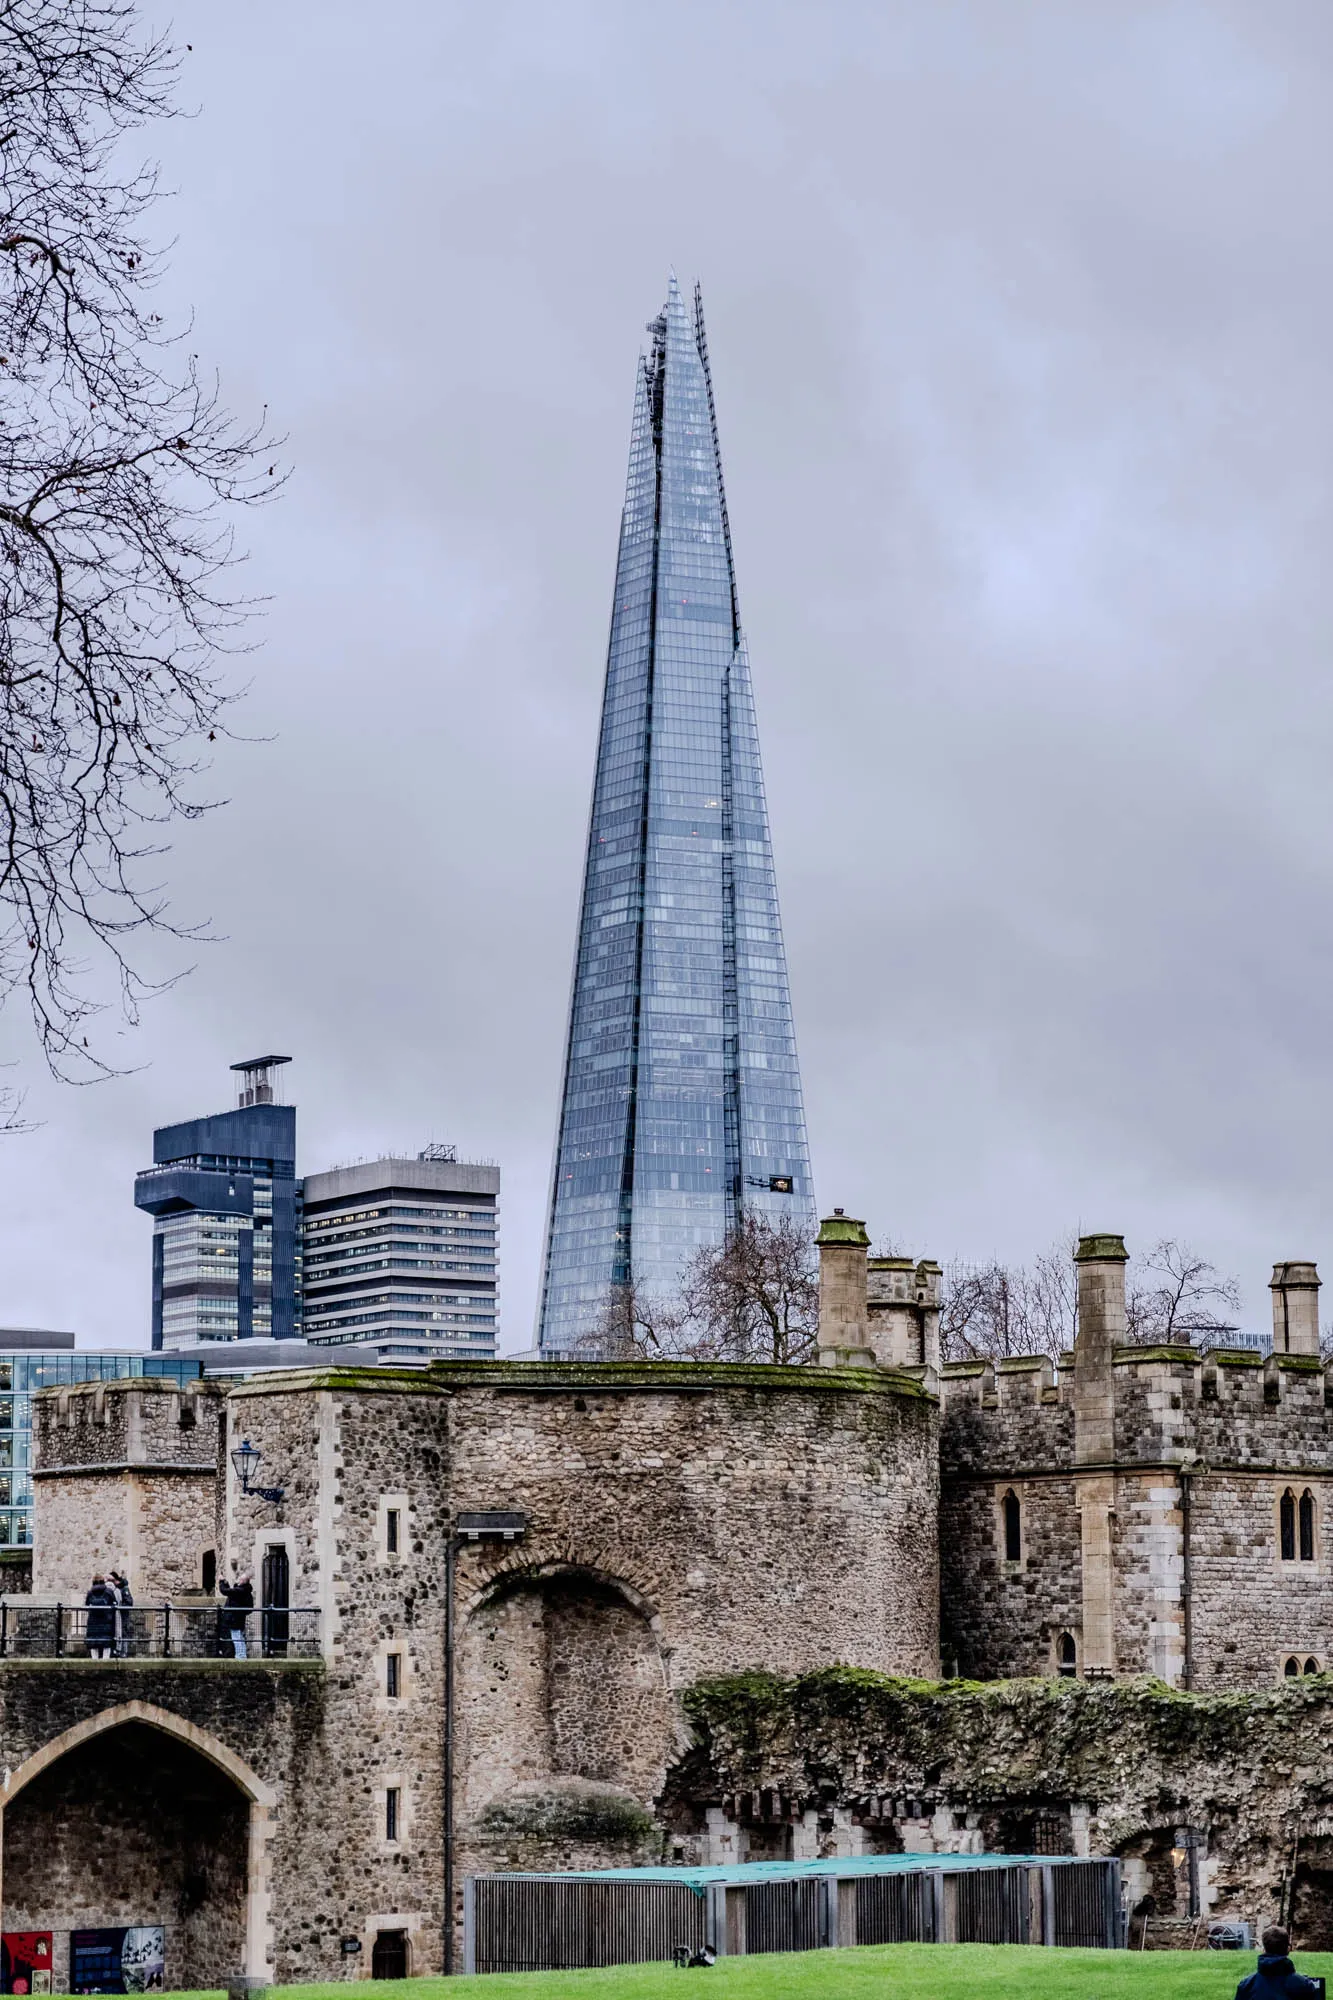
1276 1977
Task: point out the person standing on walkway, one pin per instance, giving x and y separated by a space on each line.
239 1598
100 1624
124 1606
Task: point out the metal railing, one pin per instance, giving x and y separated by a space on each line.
31 1631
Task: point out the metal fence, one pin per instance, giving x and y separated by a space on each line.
533 1923
31 1631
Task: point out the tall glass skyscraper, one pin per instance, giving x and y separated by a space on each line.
682 1099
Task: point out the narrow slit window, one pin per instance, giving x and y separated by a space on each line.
392 1815
393 1675
391 1530
1067 1656
1013 1527
208 1571
1287 1525
1306 1515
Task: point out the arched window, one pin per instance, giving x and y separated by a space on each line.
1291 1669
1013 1527
1067 1656
1306 1515
1312 1666
1287 1525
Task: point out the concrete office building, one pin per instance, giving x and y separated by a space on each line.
223 1196
401 1253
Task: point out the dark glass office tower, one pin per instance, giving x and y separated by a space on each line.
223 1196
682 1098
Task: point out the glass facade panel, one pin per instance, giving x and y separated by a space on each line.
682 1096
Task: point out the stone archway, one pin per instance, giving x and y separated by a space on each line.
137 1816
567 1722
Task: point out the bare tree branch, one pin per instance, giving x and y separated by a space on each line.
117 466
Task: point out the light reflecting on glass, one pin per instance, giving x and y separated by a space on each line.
682 1099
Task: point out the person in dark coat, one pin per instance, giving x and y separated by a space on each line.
124 1604
239 1597
101 1620
1276 1978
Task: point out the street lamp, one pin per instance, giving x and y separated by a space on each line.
508 1524
246 1459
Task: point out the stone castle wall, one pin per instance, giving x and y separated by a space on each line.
681 1521
125 1478
1204 1450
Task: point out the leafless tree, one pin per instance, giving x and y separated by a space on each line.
118 469
756 1296
633 1325
988 1311
1179 1298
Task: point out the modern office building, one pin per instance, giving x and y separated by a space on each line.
401 1253
223 1195
682 1097
34 1358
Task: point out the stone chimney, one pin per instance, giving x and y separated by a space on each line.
844 1320
1101 1264
1295 1289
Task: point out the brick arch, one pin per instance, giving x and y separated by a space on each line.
563 1563
260 1796
519 1571
241 1774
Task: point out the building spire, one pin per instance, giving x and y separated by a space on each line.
682 1099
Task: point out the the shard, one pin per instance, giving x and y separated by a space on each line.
682 1096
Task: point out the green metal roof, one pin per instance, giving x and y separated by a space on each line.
737 1874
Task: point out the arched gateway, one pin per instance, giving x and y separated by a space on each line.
136 1816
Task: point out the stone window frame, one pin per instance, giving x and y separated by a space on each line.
392 1781
392 1503
1011 1565
1295 1662
394 1704
1062 1668
1298 1491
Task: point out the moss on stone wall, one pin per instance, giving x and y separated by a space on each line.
1137 1752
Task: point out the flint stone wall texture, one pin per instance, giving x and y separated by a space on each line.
1227 1435
682 1520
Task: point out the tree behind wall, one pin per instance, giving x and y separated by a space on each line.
118 466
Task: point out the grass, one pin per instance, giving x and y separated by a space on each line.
886 1972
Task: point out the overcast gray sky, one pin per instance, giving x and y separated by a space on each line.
1020 321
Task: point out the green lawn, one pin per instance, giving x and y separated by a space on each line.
888 1972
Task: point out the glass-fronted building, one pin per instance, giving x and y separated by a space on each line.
682 1096
32 1359
224 1200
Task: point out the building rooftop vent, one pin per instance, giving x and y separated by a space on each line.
448 1154
254 1080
